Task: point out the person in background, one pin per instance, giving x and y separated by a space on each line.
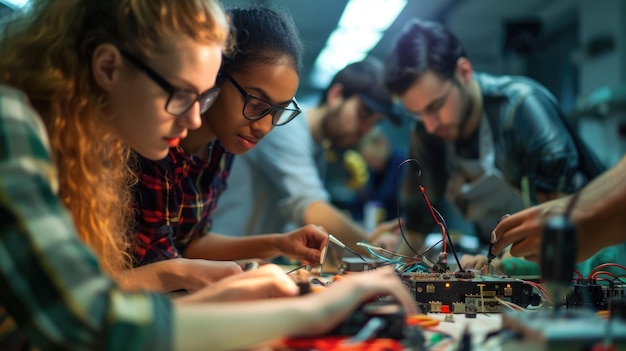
382 160
372 196
487 145
346 174
282 178
176 196
109 76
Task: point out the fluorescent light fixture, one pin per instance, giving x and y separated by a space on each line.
372 15
349 39
343 47
360 28
14 3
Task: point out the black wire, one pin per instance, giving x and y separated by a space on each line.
395 187
295 269
424 258
445 226
354 252
618 278
456 258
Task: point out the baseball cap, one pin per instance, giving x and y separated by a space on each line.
365 79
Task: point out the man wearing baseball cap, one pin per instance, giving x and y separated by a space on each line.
279 184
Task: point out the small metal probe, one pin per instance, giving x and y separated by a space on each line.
490 254
494 240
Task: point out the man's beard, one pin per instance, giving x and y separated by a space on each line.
327 120
467 112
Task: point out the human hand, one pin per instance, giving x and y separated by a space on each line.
195 274
387 234
268 281
387 241
380 282
180 274
343 296
473 261
478 261
524 230
304 243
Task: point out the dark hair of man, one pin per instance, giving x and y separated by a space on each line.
421 46
262 35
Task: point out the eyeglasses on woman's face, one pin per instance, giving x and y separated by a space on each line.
179 100
255 108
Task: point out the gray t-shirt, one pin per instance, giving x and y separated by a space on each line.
270 186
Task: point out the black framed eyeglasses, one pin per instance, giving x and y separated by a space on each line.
180 100
255 108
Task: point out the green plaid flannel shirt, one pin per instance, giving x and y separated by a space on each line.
53 294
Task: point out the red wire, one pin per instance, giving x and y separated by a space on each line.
432 212
538 287
577 272
604 265
338 343
598 273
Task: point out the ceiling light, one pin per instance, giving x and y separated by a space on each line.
373 15
14 3
360 28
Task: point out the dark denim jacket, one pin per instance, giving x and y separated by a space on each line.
532 140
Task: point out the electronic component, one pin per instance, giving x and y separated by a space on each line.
390 313
558 257
593 295
357 264
331 256
564 329
441 266
478 294
590 296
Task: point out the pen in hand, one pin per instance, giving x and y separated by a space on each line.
494 239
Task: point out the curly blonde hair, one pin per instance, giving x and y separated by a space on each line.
46 52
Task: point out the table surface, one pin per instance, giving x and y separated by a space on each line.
478 328
447 333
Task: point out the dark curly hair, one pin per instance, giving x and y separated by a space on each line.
262 35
